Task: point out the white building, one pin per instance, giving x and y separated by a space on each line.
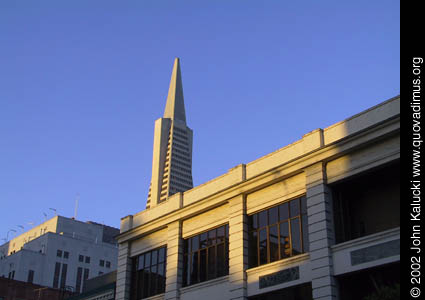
60 253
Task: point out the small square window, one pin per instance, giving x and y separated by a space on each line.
102 263
80 258
59 253
87 259
108 264
65 254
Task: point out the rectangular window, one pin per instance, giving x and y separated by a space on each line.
108 264
101 263
78 281
81 258
86 276
65 254
148 274
206 256
278 232
63 275
56 275
59 253
30 276
87 259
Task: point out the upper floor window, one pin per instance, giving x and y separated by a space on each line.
108 264
206 256
87 259
148 276
59 253
81 258
65 254
102 263
278 232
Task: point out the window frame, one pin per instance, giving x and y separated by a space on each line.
188 254
138 291
255 258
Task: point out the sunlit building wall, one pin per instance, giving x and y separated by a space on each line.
303 222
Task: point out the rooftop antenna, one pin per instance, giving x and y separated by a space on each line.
54 209
77 198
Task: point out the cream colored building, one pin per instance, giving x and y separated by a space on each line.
172 146
304 222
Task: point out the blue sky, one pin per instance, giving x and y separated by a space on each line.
82 82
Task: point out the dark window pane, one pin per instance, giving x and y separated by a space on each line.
283 211
87 259
30 276
59 253
141 262
194 268
303 205
154 270
220 234
253 248
185 271
273 243
147 260
295 236
252 222
285 243
102 263
161 256
161 278
203 265
63 275
203 240
186 246
263 246
211 237
211 263
306 244
154 259
294 207
140 286
145 289
78 281
56 275
80 258
262 216
273 215
226 231
66 254
108 264
195 243
221 260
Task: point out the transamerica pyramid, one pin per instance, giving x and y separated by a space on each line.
172 146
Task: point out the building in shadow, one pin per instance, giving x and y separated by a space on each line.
60 253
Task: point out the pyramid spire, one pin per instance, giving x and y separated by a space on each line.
174 109
172 147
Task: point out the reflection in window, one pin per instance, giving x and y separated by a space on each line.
278 232
148 277
206 256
